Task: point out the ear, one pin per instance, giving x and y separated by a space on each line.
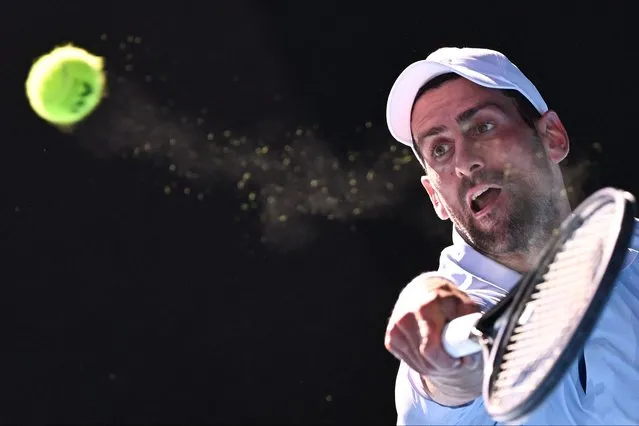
434 198
554 136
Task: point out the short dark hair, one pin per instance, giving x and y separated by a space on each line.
526 110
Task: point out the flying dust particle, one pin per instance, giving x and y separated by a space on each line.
281 180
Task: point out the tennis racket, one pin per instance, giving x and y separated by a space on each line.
532 336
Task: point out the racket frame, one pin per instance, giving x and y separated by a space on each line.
512 310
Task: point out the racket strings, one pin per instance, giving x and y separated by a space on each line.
560 296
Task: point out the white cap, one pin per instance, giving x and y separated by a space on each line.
485 67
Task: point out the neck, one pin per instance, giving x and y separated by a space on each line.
520 262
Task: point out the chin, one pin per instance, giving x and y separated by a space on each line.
493 235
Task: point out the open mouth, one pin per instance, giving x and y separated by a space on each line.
483 198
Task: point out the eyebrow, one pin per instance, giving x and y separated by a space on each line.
461 118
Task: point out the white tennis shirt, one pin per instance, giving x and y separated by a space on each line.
611 353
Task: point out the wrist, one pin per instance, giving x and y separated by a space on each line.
446 395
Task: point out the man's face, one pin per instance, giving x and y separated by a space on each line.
487 170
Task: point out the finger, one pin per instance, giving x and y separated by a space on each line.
456 304
431 349
435 283
396 344
467 305
472 362
408 360
414 337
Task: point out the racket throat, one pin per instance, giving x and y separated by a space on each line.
495 318
485 340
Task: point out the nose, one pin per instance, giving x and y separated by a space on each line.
468 160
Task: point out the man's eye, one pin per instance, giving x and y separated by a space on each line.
440 150
484 127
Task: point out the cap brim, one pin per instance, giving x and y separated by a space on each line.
403 92
402 96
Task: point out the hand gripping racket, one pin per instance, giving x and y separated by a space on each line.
533 335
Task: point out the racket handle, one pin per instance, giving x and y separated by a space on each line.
457 338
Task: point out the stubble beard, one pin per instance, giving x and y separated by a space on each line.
526 230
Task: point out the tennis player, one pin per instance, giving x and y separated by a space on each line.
491 148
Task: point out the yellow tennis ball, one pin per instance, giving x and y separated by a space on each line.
66 85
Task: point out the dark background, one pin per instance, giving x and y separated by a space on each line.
148 279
